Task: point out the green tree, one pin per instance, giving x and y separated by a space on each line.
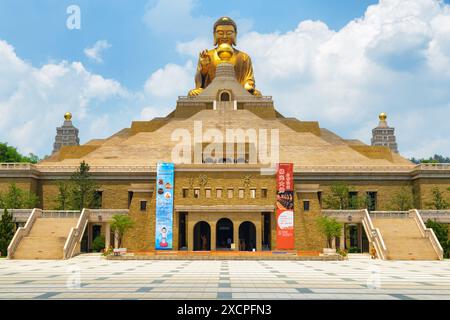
10 154
438 202
330 228
63 198
121 224
16 198
7 229
441 232
83 188
343 197
402 200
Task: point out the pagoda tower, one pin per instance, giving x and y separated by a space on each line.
383 135
66 135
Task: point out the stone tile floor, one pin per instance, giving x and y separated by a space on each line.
92 277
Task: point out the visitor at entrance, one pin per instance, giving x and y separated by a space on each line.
204 243
229 243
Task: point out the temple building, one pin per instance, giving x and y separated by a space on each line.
225 144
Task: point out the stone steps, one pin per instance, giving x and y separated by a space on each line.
46 239
404 240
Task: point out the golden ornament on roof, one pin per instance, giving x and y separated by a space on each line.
68 116
382 116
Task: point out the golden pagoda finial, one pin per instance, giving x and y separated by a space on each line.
68 116
382 116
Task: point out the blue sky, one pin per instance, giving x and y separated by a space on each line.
39 34
351 64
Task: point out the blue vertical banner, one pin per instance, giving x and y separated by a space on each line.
164 206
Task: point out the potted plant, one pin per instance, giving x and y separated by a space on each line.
330 229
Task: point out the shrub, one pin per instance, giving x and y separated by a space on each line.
98 244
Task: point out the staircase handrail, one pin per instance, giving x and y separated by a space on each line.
75 234
22 232
428 233
374 235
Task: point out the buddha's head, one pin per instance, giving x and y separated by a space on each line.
225 31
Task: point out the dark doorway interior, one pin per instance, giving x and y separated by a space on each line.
247 236
224 234
182 245
84 241
267 231
202 236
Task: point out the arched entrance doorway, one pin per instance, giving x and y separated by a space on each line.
247 236
224 234
202 236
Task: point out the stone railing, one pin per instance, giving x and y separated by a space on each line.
428 233
20 215
442 216
143 169
374 236
105 215
354 168
433 166
75 235
60 214
345 216
22 232
389 214
16 166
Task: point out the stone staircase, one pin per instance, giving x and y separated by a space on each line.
403 239
46 239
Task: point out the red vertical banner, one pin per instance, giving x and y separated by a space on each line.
285 206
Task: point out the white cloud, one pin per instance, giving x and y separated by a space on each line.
33 107
170 81
95 52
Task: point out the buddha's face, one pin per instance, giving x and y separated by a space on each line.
225 34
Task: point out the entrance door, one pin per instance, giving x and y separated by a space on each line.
202 236
267 232
247 236
224 234
182 245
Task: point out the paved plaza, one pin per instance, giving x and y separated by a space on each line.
93 277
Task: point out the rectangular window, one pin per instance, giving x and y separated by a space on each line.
208 193
185 193
219 193
353 200
230 193
305 205
143 205
196 193
263 193
130 198
372 201
98 199
252 193
241 193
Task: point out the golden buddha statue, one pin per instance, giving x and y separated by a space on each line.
225 31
